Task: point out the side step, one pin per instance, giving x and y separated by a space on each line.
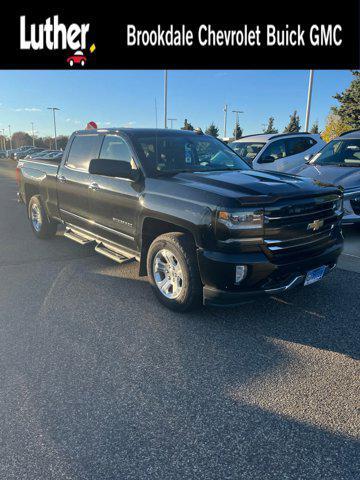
117 257
76 236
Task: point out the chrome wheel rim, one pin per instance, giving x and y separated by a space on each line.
35 215
168 274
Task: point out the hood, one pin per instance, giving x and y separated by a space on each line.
252 183
346 177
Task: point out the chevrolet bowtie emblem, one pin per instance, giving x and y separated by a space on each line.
315 225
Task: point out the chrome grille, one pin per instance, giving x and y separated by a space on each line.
304 225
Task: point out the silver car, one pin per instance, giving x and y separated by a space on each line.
338 163
280 152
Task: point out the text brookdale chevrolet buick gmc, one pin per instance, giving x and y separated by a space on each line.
202 223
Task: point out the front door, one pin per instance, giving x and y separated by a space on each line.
114 202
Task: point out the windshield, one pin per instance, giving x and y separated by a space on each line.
345 153
247 150
177 153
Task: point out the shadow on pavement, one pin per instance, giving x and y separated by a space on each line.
112 385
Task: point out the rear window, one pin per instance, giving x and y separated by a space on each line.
83 149
298 145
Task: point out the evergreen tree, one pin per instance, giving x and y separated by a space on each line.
187 125
349 109
294 124
315 127
212 130
270 126
238 131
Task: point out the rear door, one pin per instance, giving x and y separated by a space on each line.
73 179
114 202
296 149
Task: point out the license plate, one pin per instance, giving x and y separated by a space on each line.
314 275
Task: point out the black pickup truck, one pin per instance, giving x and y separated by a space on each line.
203 225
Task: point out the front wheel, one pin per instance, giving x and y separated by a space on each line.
173 270
40 224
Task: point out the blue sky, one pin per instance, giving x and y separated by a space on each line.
119 98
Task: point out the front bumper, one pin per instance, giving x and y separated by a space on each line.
217 271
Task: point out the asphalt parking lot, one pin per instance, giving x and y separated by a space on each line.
98 381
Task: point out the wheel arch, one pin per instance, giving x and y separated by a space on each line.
151 228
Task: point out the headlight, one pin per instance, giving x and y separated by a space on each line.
240 226
242 219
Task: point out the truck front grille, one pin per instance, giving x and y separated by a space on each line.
305 227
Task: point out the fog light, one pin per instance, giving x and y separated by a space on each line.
240 273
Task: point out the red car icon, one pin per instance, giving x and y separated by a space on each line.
76 59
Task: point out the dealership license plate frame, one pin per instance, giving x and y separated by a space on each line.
315 275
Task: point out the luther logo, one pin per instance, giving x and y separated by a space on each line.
54 35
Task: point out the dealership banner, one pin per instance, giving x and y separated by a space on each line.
280 36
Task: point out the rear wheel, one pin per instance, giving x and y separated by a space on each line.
174 273
40 224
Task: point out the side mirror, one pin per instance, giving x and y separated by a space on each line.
267 159
307 158
112 168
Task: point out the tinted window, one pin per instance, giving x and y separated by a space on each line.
276 150
298 145
115 148
83 149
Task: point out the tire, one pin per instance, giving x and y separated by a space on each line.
40 224
185 293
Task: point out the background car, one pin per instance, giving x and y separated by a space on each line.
279 152
338 163
19 155
13 151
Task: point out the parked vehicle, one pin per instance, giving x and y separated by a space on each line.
42 154
24 153
201 222
3 153
279 152
339 163
13 151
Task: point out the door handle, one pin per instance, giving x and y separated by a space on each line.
94 186
61 179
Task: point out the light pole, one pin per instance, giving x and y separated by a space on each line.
236 121
308 105
171 120
225 119
10 137
54 110
4 138
165 97
32 129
